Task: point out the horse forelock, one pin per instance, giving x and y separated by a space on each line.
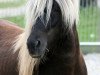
35 9
25 61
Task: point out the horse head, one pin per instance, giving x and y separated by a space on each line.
44 32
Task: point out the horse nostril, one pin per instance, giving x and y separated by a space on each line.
37 43
33 44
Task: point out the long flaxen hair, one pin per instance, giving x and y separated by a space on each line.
35 9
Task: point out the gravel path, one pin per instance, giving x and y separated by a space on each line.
93 63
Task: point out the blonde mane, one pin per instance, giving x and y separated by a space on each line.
35 9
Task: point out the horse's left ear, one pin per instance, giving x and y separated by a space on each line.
75 24
75 32
74 28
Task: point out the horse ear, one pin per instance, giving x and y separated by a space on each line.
75 32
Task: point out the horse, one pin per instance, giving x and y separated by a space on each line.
49 43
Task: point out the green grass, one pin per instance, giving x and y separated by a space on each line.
12 4
19 20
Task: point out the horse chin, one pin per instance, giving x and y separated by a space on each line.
38 56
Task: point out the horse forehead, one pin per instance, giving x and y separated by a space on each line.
41 21
55 6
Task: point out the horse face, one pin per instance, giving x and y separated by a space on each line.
41 34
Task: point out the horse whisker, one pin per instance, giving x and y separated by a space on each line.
47 50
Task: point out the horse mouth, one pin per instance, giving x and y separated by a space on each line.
36 56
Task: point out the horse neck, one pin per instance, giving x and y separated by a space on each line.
65 45
63 53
